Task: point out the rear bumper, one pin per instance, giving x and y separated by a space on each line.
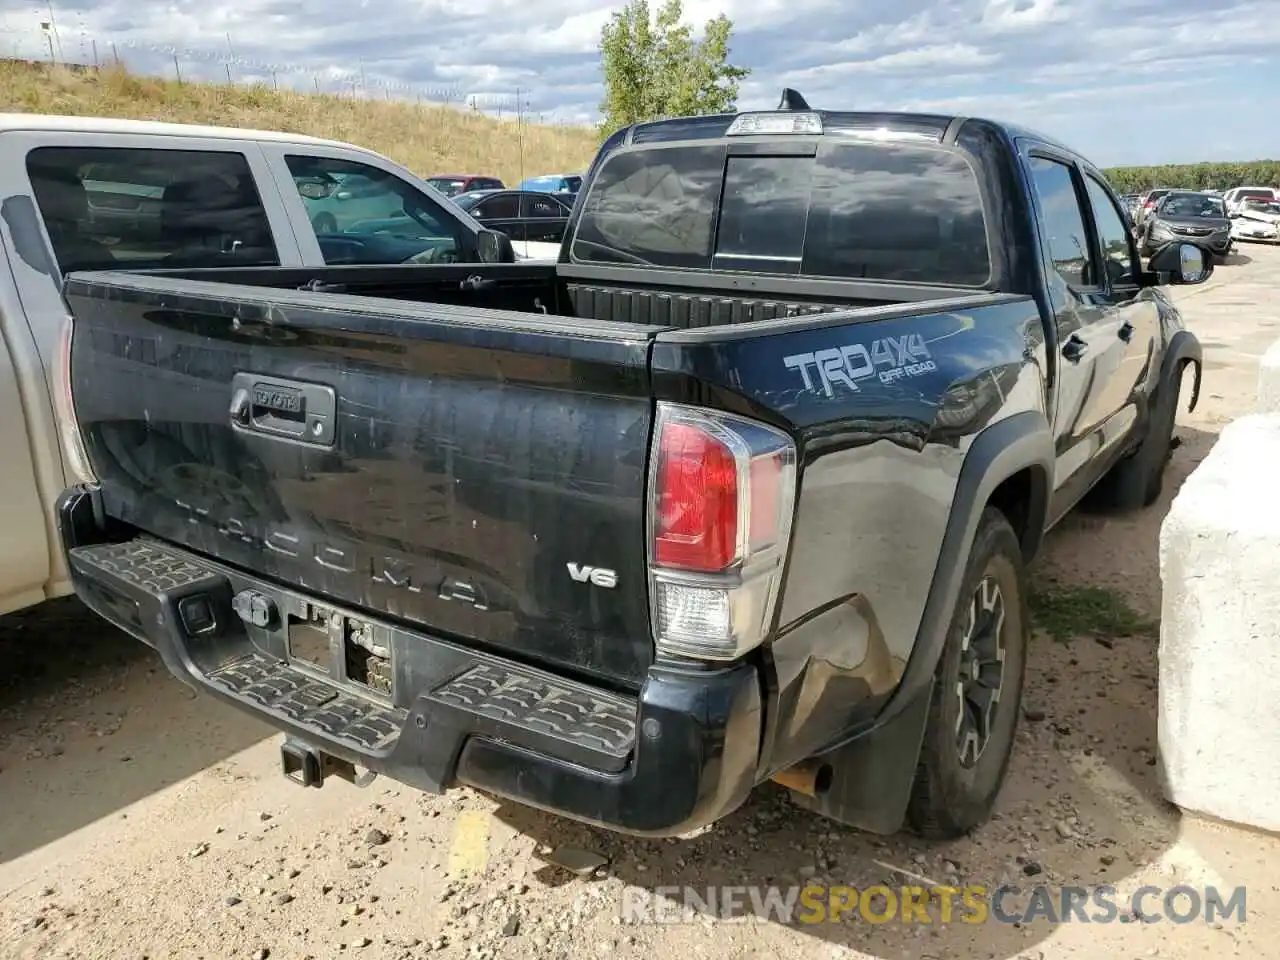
681 755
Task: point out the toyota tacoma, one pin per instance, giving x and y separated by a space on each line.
744 487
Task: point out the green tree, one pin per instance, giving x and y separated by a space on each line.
654 67
1196 176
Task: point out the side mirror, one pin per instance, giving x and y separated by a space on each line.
495 247
315 189
1181 263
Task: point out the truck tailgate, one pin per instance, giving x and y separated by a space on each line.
460 470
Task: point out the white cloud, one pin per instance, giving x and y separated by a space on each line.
1122 79
1016 16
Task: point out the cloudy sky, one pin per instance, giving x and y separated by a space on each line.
1124 81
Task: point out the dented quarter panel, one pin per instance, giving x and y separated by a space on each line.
881 439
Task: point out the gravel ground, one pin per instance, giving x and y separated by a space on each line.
137 820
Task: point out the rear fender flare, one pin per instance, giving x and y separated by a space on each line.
1002 450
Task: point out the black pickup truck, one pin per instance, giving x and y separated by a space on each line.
742 488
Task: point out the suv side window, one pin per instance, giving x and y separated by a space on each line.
1113 232
1063 221
105 207
504 206
361 214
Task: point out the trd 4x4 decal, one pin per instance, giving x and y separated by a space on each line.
887 359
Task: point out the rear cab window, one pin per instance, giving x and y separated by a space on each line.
876 211
142 208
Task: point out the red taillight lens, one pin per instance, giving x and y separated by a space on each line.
697 500
721 500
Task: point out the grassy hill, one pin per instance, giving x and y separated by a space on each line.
426 139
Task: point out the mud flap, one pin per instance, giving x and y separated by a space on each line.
871 777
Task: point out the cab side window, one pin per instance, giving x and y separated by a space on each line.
1063 221
361 214
105 207
1113 231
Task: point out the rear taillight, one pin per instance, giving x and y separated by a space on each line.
722 492
77 459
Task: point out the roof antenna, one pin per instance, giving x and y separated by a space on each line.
791 100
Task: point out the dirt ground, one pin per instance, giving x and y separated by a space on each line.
137 820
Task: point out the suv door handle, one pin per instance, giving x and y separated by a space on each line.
1074 348
1125 332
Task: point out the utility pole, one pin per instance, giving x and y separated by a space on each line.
53 26
520 132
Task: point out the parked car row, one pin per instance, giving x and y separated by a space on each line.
456 184
1214 218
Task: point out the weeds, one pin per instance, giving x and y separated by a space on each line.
1069 612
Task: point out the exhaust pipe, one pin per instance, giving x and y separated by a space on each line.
810 778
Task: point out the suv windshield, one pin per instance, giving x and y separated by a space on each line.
884 211
1191 205
1255 205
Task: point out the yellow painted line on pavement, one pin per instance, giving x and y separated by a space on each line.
470 850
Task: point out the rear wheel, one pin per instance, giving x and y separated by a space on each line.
978 690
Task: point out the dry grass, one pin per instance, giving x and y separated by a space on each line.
426 139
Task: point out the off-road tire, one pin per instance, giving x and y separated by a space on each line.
1138 480
948 798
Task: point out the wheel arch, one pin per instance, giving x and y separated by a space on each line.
1008 466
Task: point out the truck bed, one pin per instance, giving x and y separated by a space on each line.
468 446
684 300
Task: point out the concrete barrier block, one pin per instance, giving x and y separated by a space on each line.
1219 713
1269 380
